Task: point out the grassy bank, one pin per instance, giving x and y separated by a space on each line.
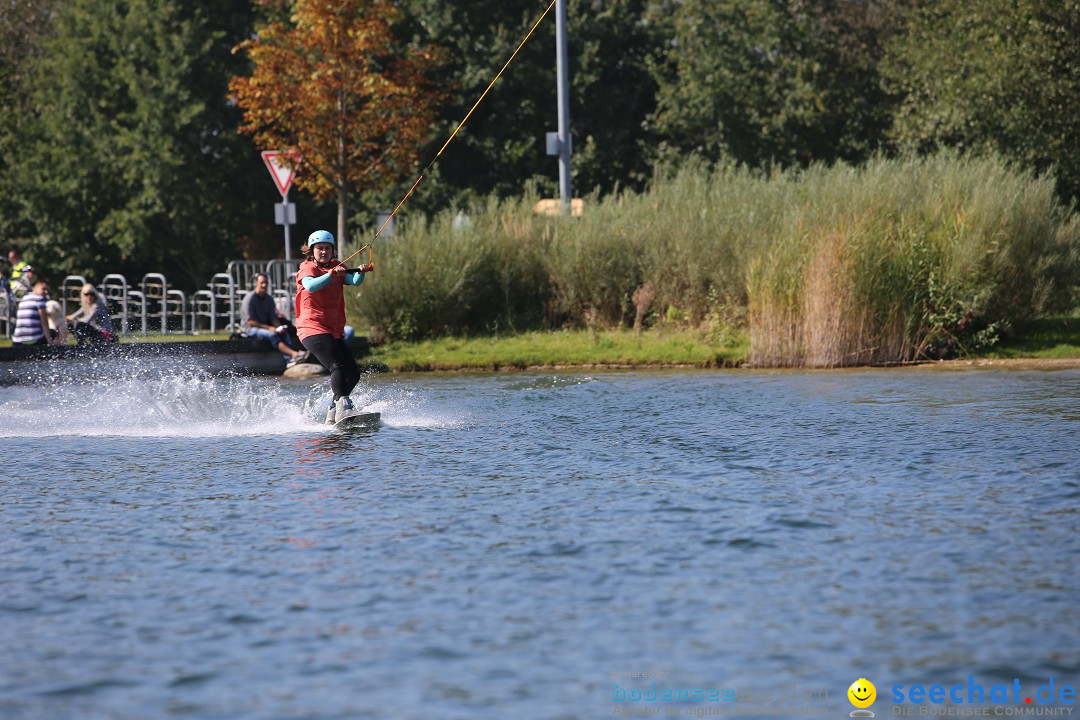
1051 338
1047 338
566 348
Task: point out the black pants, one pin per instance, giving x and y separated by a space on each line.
291 338
336 357
86 333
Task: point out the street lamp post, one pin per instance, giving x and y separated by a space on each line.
559 143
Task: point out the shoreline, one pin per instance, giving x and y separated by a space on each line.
928 365
1018 363
1054 344
540 351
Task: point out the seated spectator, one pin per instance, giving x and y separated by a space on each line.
260 318
58 332
31 323
91 322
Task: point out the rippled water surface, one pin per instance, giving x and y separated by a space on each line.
509 546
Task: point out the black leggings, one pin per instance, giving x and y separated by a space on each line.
87 333
335 356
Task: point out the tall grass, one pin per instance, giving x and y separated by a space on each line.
829 266
440 277
909 258
689 238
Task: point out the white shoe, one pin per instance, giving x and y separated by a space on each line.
331 414
344 407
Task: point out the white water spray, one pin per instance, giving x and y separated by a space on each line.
183 402
184 405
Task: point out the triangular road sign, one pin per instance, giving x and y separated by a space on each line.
282 175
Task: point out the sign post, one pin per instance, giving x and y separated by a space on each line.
282 174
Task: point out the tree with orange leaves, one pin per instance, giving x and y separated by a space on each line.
337 85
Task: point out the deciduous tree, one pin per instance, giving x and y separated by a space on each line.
335 82
23 29
772 81
998 74
128 160
501 150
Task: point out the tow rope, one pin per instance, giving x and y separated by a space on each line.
494 80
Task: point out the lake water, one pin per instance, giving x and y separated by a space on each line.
519 545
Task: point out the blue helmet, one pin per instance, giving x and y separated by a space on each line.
319 236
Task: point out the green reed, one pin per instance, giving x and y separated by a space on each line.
910 258
443 276
827 266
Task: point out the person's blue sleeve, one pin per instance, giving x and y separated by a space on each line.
314 284
354 278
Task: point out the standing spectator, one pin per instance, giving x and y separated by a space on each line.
31 323
24 282
18 265
260 316
91 322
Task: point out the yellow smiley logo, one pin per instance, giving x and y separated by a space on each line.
862 693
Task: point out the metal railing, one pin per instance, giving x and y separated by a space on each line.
150 305
243 273
154 289
7 312
282 274
114 290
176 309
71 292
223 292
202 306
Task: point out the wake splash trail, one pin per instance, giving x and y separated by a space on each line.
184 405
190 403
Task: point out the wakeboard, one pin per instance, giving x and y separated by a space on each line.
358 419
